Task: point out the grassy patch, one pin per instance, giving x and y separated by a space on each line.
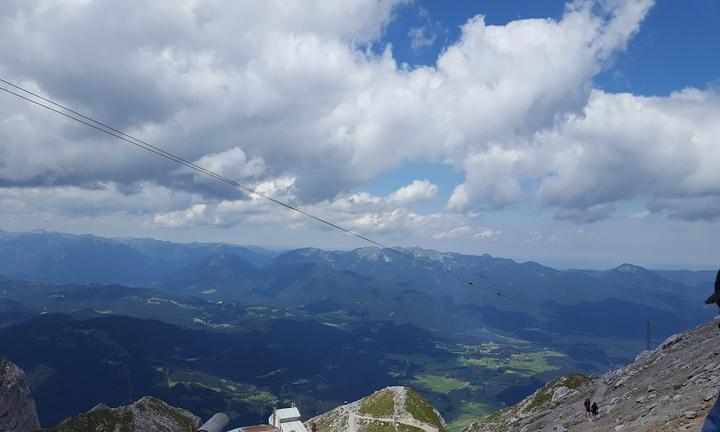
530 363
379 404
232 390
575 381
421 409
536 362
378 426
541 399
440 384
468 413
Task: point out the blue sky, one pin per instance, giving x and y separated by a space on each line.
580 136
676 48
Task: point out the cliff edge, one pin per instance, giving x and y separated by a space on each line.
669 389
17 407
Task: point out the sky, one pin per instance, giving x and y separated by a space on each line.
576 134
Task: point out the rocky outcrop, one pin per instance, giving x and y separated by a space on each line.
147 414
389 409
668 389
17 407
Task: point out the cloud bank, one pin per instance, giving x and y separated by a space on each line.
295 99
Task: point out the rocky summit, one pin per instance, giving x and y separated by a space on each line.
669 389
390 409
17 407
147 414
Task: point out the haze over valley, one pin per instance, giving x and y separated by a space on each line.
219 327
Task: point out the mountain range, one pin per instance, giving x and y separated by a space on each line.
210 326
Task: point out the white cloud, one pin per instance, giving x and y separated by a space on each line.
586 215
290 85
453 233
421 37
659 149
102 198
287 96
640 215
493 178
487 234
193 215
466 231
232 163
418 190
360 211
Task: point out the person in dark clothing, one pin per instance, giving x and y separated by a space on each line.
712 422
594 410
715 297
587 408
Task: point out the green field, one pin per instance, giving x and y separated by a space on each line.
440 384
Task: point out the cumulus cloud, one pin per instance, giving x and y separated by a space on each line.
363 212
460 231
640 215
418 190
288 97
662 150
421 37
193 215
102 198
232 163
293 86
586 215
487 233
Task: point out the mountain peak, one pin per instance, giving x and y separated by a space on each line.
147 414
17 407
385 409
630 268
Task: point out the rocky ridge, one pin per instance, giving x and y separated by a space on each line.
669 389
147 414
390 409
17 407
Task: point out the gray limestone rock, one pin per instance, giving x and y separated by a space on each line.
147 414
665 390
17 407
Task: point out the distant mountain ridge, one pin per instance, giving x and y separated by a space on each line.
146 414
383 311
69 258
366 282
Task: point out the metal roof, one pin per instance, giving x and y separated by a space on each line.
287 414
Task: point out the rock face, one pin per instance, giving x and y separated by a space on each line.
669 389
17 407
147 414
390 409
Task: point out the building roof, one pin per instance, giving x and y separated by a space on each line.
258 428
287 414
292 426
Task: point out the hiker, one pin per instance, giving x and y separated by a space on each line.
587 408
594 410
715 297
712 422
